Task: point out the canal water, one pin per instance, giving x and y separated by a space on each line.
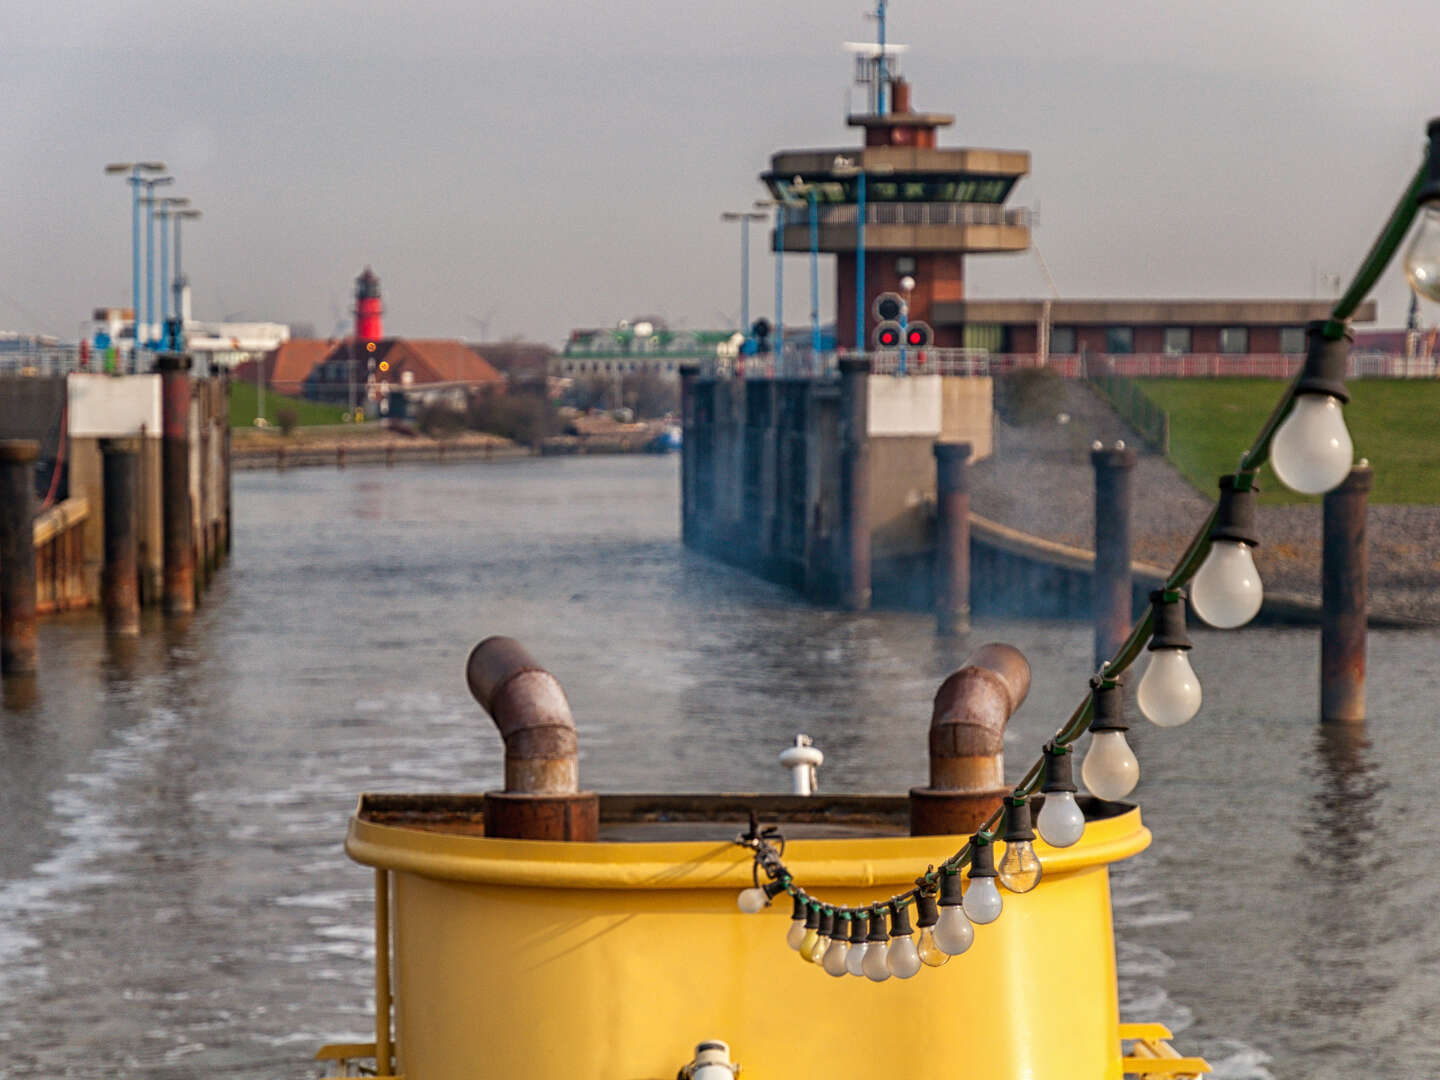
174 900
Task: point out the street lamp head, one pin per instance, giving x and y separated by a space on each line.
119 166
188 214
175 200
151 166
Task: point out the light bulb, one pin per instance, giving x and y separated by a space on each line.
817 951
855 958
1019 867
902 957
931 955
953 933
982 901
875 965
1422 257
1226 592
1169 692
1110 769
835 956
807 944
1312 451
1060 822
752 900
796 934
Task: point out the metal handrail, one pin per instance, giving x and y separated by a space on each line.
917 213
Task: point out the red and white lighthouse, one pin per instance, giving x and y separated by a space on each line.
367 306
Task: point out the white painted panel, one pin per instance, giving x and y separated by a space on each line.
905 404
105 406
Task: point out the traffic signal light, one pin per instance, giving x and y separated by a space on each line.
760 331
384 365
918 335
370 346
887 335
888 306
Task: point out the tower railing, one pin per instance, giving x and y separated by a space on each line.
910 213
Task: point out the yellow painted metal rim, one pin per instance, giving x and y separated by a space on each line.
851 862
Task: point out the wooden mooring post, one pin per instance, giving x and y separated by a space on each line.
1344 597
17 556
179 593
120 575
1110 583
952 539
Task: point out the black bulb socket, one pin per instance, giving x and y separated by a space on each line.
801 909
1325 360
812 917
900 920
775 888
827 923
1059 771
950 890
877 925
859 927
1430 191
1109 714
1168 608
982 859
927 913
1235 514
1017 820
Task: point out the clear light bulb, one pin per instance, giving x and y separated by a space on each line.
902 957
982 901
1020 867
835 957
876 966
817 951
931 955
1422 257
796 934
1226 593
1312 451
752 900
1110 770
953 933
1060 822
855 958
1169 692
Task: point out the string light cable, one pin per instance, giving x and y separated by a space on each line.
1301 440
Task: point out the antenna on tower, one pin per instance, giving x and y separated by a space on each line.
877 63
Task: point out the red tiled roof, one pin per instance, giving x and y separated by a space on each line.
440 360
287 367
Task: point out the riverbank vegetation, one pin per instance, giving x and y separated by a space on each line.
1391 420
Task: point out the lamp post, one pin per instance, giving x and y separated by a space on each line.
136 169
844 166
808 190
164 212
149 200
779 205
177 334
744 217
907 285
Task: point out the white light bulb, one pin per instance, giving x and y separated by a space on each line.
752 900
1169 692
834 962
953 933
1110 769
855 958
796 933
1312 451
902 957
1226 593
875 965
1061 822
1422 258
817 951
982 901
931 955
1020 867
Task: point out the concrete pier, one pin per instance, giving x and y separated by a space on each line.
952 540
1111 587
120 575
1344 598
17 556
855 483
179 544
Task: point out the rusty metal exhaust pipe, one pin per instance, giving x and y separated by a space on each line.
542 799
967 743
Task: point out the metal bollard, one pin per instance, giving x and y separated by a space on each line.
17 556
1110 584
119 579
952 538
1344 598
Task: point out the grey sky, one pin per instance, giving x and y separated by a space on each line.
548 165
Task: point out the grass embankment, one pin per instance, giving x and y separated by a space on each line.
1394 422
244 407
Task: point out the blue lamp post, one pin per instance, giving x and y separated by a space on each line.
165 212
744 217
843 166
149 200
800 187
176 331
136 169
